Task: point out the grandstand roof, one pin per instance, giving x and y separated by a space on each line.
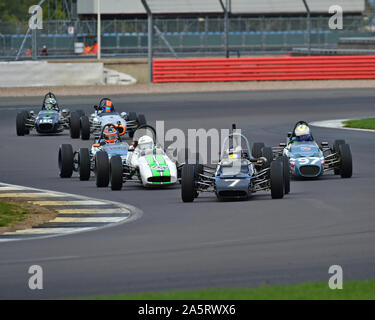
213 6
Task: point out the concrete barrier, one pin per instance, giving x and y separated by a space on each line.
42 73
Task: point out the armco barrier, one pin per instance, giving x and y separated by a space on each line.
41 73
264 68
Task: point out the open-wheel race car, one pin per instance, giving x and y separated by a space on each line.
51 119
308 159
238 173
146 163
105 113
97 159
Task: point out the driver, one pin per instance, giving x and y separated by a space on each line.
235 153
110 135
301 133
108 106
50 104
145 143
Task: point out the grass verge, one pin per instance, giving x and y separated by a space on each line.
368 123
19 214
353 290
11 213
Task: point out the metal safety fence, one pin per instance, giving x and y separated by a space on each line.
187 36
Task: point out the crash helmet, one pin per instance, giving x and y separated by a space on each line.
302 132
110 135
145 143
108 106
50 103
235 153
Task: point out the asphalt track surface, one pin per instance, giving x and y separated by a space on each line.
207 243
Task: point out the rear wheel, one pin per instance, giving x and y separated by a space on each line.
346 163
268 154
80 112
286 173
188 179
141 120
116 173
101 169
66 160
85 128
21 123
132 116
257 149
84 166
277 180
75 125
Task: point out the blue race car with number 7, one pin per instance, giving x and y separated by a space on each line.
309 160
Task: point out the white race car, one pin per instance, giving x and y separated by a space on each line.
146 163
105 114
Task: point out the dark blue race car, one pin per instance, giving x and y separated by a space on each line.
50 119
238 173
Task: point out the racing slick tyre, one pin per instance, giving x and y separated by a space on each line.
277 180
346 163
132 116
198 171
27 116
85 128
101 169
188 179
66 161
75 125
268 154
336 144
257 149
20 123
80 112
286 172
84 165
141 120
183 155
116 173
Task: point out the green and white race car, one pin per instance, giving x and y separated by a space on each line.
146 162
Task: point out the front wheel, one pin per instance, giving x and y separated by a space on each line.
257 149
336 145
102 169
346 163
66 160
116 173
277 180
75 125
84 165
21 123
286 172
85 128
188 182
